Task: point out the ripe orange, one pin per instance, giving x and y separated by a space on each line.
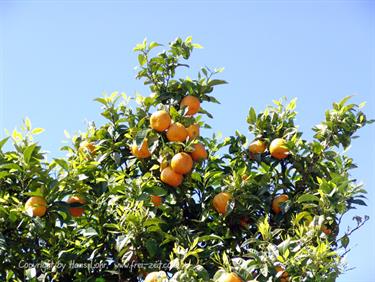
36 206
182 163
278 149
192 104
86 146
257 147
326 230
284 276
156 276
244 222
142 152
168 176
177 132
199 153
193 131
220 202
245 177
156 200
76 211
230 277
160 120
277 201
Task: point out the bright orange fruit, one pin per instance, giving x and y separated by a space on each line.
156 200
285 275
257 147
326 230
168 176
220 202
87 146
182 163
177 132
36 206
278 149
192 104
277 201
193 131
76 211
142 152
230 277
160 120
199 153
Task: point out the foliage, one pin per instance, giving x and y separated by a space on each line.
122 235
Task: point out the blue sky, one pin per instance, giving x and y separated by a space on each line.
57 56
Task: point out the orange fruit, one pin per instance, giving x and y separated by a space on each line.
220 202
257 147
193 131
277 201
285 275
192 104
141 152
182 163
326 230
245 177
76 211
156 200
278 149
230 277
199 153
244 222
177 132
36 206
86 146
168 176
160 121
156 276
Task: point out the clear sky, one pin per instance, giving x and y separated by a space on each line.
57 56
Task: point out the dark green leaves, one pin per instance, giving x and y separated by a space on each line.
28 152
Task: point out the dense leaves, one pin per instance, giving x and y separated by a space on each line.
133 223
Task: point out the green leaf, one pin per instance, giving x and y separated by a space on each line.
307 198
27 153
37 130
16 135
3 174
10 166
197 46
214 82
155 190
62 163
345 241
27 123
88 232
141 135
142 59
152 247
101 100
252 117
153 44
358 202
343 101
2 142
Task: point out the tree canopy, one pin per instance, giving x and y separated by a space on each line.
143 196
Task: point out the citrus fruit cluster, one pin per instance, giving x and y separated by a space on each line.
173 171
36 206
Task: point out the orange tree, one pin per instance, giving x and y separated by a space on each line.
144 197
